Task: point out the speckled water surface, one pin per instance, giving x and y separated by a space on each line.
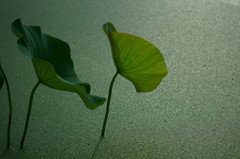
193 114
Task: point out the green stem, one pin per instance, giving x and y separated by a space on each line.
108 104
28 114
10 109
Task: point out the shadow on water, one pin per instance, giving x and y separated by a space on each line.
96 148
10 154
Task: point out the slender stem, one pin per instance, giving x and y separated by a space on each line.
28 114
108 104
10 109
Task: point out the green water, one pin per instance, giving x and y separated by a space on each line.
193 114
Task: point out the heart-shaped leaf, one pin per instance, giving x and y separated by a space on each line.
1 77
52 62
136 59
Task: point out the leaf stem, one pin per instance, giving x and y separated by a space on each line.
108 104
28 114
10 109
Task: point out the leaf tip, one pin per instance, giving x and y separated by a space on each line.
17 28
95 101
109 27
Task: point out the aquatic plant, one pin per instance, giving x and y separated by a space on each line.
135 59
53 65
3 78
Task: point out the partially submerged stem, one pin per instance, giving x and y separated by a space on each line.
28 114
10 108
108 104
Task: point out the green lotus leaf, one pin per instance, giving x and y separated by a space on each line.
1 77
52 62
46 72
136 59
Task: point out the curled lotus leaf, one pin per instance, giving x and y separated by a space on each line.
136 59
52 62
